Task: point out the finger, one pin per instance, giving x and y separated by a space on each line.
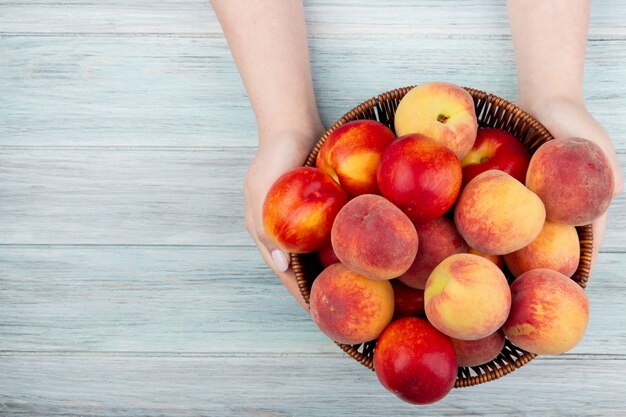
254 223
279 257
288 278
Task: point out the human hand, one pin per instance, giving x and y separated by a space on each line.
285 151
567 118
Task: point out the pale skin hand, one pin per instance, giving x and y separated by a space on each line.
549 39
269 45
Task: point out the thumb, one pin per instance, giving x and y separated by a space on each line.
280 258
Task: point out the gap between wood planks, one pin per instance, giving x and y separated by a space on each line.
328 35
338 354
158 245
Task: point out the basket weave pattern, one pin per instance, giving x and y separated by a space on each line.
491 111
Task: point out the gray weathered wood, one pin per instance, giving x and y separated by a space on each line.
122 196
151 299
184 299
143 196
147 91
128 285
325 18
96 385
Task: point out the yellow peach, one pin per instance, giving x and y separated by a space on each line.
442 111
557 247
496 214
549 312
467 297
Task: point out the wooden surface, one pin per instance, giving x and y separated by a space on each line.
128 285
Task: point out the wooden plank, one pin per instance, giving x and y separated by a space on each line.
143 196
218 300
325 18
147 91
148 299
122 196
288 386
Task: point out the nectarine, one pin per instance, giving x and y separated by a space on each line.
420 176
351 155
300 208
415 361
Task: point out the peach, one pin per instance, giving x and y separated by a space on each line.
496 214
420 176
573 178
374 238
351 154
300 208
440 239
478 352
467 297
348 307
442 111
557 247
549 312
496 259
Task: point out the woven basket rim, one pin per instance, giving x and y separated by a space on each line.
491 110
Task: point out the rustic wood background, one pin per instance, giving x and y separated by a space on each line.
128 285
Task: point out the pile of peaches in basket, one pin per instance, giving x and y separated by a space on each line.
414 231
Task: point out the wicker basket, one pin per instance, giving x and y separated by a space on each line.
491 111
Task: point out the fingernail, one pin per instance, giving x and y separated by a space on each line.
280 260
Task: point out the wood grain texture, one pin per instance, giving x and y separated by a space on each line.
219 300
148 299
324 17
123 196
155 91
128 285
143 196
288 386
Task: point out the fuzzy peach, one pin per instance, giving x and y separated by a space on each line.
478 352
496 259
467 297
557 247
496 214
549 312
348 307
441 240
351 154
374 238
573 178
442 111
